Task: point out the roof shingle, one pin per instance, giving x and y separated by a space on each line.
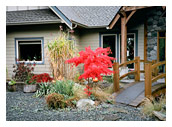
90 15
31 16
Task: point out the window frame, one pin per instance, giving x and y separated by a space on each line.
29 39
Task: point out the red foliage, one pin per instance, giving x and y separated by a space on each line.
42 78
95 62
87 90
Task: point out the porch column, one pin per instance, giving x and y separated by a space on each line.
123 39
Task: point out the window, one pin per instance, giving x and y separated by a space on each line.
29 49
130 48
109 40
161 49
161 46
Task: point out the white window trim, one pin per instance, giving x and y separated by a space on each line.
17 44
115 41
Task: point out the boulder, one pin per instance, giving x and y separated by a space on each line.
160 115
85 103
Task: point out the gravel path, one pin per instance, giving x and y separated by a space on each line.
24 107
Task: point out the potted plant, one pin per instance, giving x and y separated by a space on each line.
12 85
30 85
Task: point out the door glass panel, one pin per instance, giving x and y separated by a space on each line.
130 49
110 41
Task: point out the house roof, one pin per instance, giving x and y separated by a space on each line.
86 16
90 16
31 17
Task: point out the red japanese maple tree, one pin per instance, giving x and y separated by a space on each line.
95 62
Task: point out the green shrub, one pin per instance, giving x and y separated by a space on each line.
55 101
109 79
63 87
44 89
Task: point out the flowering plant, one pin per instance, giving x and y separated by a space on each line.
95 63
30 81
22 71
42 78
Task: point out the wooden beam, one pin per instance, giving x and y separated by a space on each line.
123 39
116 76
114 21
137 68
148 79
132 8
131 14
145 41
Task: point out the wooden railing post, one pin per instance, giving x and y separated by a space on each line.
116 76
137 68
148 79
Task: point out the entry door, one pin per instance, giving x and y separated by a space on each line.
109 40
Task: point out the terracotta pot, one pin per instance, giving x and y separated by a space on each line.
29 88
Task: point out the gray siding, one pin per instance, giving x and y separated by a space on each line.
48 33
89 38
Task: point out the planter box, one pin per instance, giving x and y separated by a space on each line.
11 88
29 88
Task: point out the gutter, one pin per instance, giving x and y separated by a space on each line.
61 16
31 23
89 27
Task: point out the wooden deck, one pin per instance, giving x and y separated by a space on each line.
134 93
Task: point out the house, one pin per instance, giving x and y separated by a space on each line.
128 30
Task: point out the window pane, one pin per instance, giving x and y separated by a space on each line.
30 50
109 41
162 34
162 49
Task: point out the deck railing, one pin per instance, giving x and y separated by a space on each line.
150 70
136 71
150 77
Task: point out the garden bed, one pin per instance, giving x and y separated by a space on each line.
24 107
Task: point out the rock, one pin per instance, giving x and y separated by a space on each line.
155 48
159 115
115 110
111 117
149 34
97 103
85 103
155 22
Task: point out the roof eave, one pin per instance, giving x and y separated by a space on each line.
61 16
31 23
86 26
